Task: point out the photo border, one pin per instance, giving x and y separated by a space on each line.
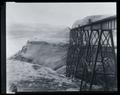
3 47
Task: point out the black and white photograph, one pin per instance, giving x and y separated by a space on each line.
66 47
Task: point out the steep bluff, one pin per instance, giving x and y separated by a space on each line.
52 55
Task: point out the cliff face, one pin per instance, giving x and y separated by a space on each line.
18 34
44 44
43 53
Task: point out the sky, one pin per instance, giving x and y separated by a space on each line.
64 14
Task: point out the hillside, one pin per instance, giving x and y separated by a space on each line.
43 53
23 75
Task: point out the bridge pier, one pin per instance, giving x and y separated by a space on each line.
91 54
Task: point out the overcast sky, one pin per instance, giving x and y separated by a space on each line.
55 13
